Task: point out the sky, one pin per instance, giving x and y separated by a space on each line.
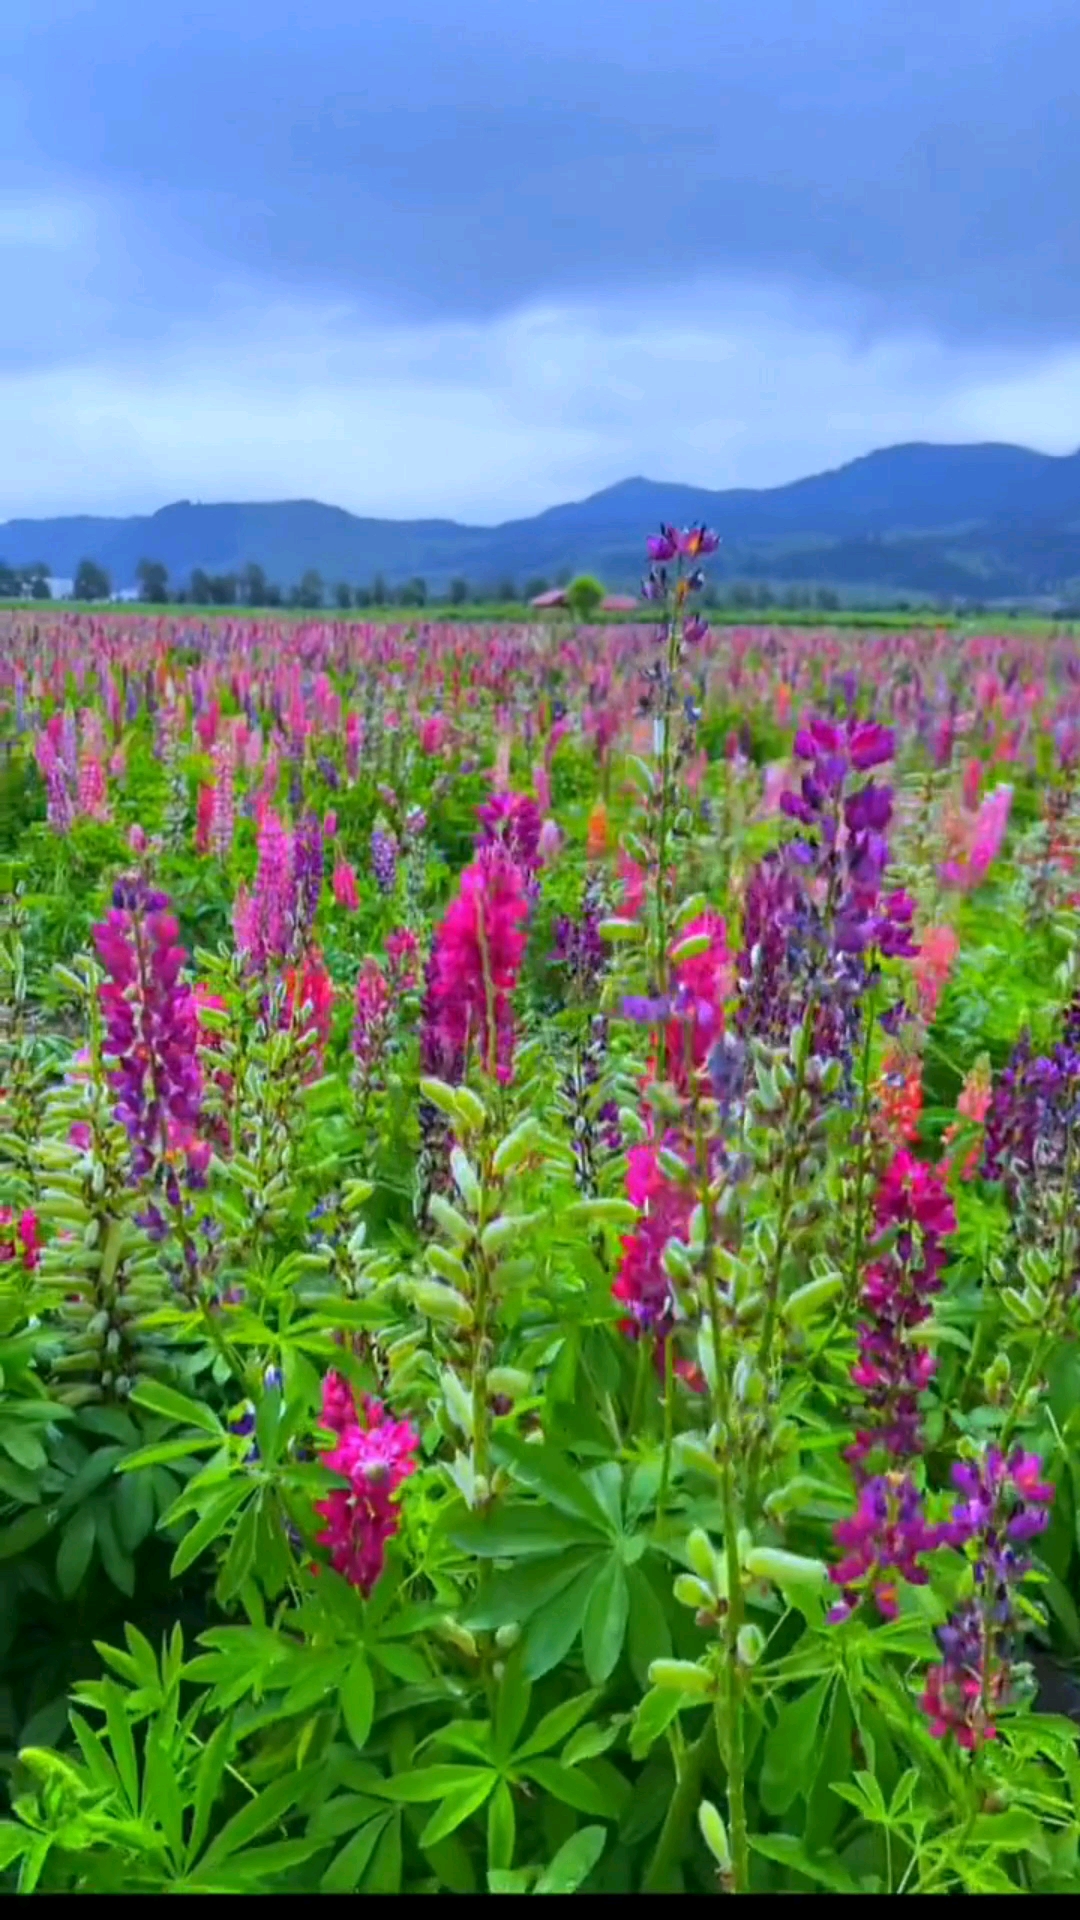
475 259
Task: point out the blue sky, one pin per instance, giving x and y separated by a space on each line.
474 259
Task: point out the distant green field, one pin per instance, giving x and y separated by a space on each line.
517 611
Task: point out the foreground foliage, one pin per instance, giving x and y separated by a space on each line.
538 1256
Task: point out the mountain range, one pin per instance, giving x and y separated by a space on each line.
983 521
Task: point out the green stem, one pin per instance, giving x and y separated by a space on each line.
787 1180
862 1159
675 1832
669 1427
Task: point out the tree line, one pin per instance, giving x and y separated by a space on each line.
251 588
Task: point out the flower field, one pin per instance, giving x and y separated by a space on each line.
539 1260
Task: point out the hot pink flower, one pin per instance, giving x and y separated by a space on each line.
346 892
374 1455
477 956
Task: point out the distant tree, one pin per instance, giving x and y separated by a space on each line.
362 597
413 593
200 589
343 596
39 584
827 599
742 593
309 593
535 587
710 597
583 597
153 579
9 582
223 589
459 592
379 593
506 591
271 595
91 581
563 577
253 585
764 596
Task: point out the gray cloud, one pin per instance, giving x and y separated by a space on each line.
445 160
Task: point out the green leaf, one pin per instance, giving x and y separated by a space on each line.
215 1758
75 1551
266 1810
574 1861
573 1786
210 1524
512 1705
14 1841
604 1626
654 1715
25 1532
824 1869
648 1636
514 1597
789 1746
512 1532
429 1783
458 1805
823 1810
157 1398
357 1695
558 1724
554 1476
165 1450
345 1871
384 1874
122 1742
551 1633
502 1828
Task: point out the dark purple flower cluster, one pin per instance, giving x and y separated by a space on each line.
513 822
1034 1108
882 1541
815 919
579 947
384 854
308 868
693 543
850 864
1006 1503
151 1035
916 1211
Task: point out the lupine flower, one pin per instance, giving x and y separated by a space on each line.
402 952
931 967
262 920
701 983
309 998
308 869
374 1455
1006 1503
476 959
899 1099
892 1370
512 821
346 891
883 1542
980 838
973 1104
642 1284
596 835
372 1018
151 1033
384 853
20 1240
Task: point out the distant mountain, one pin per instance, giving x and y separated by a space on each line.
989 521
